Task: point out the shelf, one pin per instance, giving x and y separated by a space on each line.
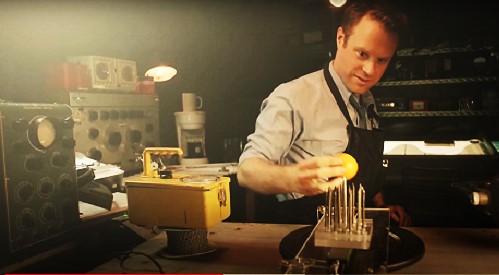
429 51
458 80
439 114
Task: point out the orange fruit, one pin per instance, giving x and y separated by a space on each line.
350 165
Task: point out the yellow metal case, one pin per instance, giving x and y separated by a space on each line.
196 203
183 201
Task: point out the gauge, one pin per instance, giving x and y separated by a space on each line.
102 71
127 74
42 132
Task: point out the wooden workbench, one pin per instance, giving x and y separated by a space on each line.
254 248
241 248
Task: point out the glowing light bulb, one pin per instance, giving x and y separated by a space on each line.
337 3
161 73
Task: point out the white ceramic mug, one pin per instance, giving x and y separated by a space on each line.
191 102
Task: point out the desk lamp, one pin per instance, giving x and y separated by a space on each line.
337 3
161 73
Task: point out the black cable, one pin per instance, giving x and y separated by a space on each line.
123 257
87 176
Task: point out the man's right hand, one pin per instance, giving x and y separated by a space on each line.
316 175
308 177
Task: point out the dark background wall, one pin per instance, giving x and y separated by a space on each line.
233 53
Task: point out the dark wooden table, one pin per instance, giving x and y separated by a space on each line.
254 248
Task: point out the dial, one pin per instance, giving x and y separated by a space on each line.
25 192
102 71
127 74
26 219
42 132
45 187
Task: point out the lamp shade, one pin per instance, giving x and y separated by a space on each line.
161 73
337 3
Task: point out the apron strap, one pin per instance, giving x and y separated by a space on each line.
334 90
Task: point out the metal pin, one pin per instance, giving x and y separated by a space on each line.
362 215
353 206
336 209
350 208
359 208
344 204
327 213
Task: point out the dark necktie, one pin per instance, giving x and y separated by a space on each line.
360 110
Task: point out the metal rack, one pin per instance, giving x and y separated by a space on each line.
458 80
438 114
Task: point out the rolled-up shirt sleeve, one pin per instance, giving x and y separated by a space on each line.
277 126
298 120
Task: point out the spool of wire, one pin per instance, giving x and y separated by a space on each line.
183 243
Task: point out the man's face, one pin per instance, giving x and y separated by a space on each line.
364 54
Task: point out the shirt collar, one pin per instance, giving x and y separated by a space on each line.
344 92
367 97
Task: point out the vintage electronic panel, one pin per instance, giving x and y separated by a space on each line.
127 74
114 128
38 194
107 73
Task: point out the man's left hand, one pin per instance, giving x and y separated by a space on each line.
397 212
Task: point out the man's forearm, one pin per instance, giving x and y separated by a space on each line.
264 177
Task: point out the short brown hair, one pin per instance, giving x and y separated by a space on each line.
393 19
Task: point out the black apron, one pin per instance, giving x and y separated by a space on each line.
366 146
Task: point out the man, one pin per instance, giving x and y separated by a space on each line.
301 127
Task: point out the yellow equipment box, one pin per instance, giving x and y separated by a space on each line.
182 201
